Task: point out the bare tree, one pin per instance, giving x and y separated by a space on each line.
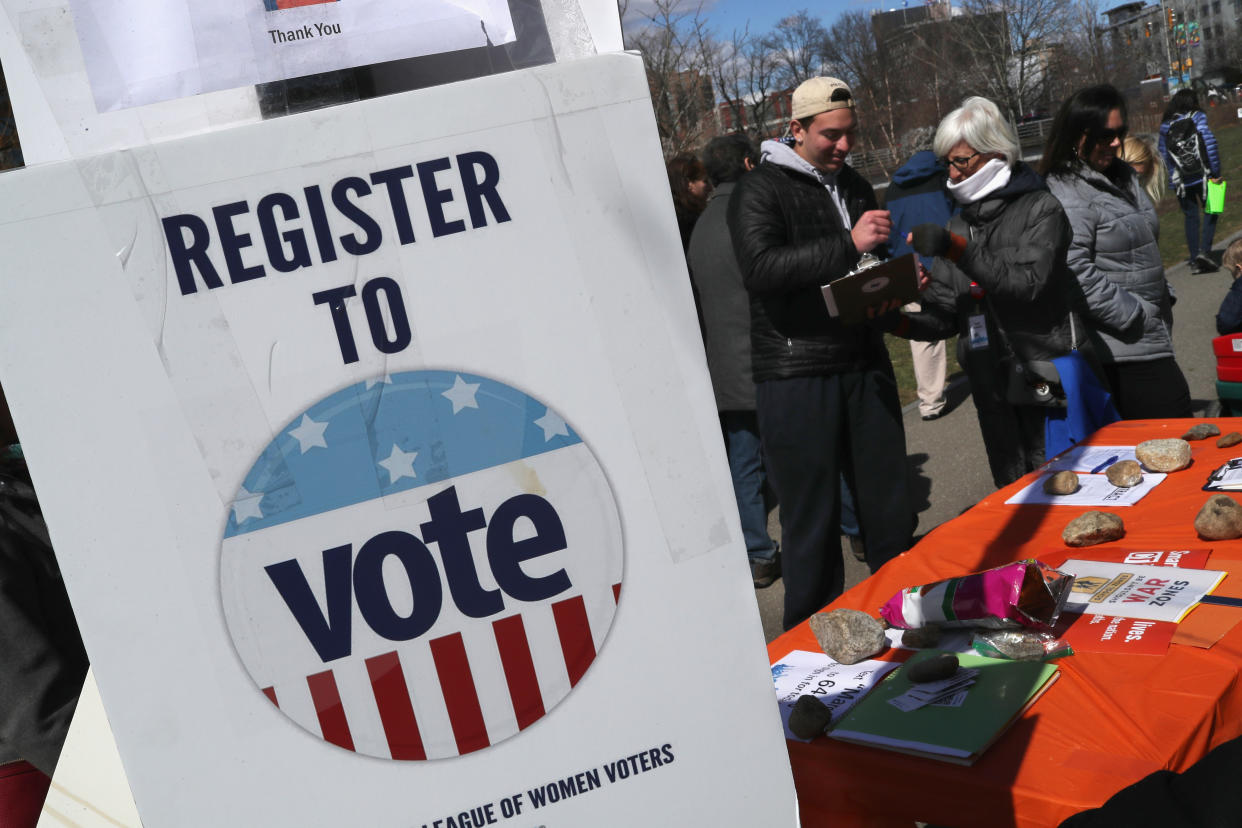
798 43
1011 47
745 71
926 56
853 55
674 41
1091 51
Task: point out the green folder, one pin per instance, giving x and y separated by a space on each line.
1000 694
1214 202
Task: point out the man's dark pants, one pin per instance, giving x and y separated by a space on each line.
815 429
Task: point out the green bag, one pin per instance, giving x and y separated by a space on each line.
1214 199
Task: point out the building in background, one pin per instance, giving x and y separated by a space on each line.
762 118
1190 43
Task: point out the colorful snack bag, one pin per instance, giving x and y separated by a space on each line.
1023 594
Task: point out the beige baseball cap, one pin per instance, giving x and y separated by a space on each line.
821 95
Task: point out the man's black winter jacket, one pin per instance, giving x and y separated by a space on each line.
789 240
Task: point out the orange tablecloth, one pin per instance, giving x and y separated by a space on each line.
1107 722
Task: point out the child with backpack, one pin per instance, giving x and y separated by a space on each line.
1189 151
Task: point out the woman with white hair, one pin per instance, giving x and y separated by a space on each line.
1001 283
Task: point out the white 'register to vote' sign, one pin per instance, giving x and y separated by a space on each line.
378 451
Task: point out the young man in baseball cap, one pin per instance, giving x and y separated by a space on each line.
825 393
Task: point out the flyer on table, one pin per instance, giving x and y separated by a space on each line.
1154 592
383 468
1093 490
1194 558
141 52
837 686
1093 633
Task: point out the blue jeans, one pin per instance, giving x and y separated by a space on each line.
741 433
849 516
1192 206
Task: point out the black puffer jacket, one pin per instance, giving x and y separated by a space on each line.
1017 241
789 240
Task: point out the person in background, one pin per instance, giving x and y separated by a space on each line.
1205 794
917 195
1189 151
1115 255
42 660
1000 282
1141 154
687 178
1229 317
824 391
1144 159
726 337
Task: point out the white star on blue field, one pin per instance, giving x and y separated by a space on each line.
380 437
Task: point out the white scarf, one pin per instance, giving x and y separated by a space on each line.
988 179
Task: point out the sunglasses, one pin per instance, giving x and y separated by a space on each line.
959 161
1107 136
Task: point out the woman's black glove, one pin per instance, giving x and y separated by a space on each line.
934 240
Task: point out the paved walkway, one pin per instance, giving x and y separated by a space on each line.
947 461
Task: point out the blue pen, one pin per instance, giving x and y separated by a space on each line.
1106 464
1221 600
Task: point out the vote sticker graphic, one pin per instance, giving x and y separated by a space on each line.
422 565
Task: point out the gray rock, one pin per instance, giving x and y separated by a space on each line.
1219 519
1127 473
1202 431
809 718
1230 439
1092 528
939 666
1168 455
1061 483
921 637
848 636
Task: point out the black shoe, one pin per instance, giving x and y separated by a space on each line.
1205 264
765 573
933 416
857 547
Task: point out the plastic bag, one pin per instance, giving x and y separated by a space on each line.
1020 645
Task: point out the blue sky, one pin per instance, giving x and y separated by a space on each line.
726 15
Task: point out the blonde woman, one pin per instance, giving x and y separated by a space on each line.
1140 153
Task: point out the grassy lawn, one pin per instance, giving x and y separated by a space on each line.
903 365
1172 227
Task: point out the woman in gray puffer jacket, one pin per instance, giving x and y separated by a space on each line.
1115 256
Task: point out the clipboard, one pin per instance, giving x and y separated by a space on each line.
849 297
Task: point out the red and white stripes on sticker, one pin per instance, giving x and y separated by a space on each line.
457 684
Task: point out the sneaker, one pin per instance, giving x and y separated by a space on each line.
1205 264
765 573
857 547
935 415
